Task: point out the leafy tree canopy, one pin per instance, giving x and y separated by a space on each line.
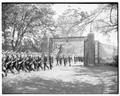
26 22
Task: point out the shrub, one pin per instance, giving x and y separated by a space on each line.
115 58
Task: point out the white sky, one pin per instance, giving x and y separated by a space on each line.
60 8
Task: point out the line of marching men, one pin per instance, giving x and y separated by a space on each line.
68 60
15 63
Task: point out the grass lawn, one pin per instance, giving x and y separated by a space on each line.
62 80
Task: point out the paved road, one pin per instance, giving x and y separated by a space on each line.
61 80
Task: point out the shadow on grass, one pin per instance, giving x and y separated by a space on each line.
38 85
41 86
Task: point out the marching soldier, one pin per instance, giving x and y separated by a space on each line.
57 59
65 61
75 60
4 73
45 62
69 60
50 62
31 64
39 61
61 61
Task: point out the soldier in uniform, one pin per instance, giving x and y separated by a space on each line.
39 61
21 64
57 59
31 64
60 61
75 59
65 61
69 60
4 73
9 64
27 64
34 66
14 62
45 63
50 62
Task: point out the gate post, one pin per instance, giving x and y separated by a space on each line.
90 50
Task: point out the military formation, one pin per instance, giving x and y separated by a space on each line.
17 62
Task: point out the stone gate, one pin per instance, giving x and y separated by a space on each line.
82 46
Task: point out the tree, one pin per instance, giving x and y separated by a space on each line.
108 23
103 19
69 18
26 21
5 25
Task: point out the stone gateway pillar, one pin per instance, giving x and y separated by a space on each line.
89 54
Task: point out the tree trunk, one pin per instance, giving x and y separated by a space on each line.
12 42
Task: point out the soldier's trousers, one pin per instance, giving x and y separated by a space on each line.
39 66
45 65
51 66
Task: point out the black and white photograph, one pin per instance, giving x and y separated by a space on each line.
60 47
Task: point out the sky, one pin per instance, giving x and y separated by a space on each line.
60 8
